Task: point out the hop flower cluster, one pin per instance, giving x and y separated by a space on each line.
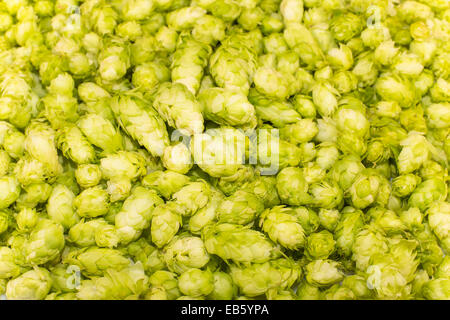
224 149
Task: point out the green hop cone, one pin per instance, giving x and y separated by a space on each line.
142 251
137 117
283 227
189 60
26 219
32 285
128 283
264 187
196 282
106 236
10 191
349 225
402 186
258 278
306 291
358 285
241 207
308 219
220 152
60 206
136 214
443 271
166 222
95 261
320 245
92 202
5 221
88 175
329 218
8 266
322 273
227 107
167 281
302 131
206 215
292 186
84 233
75 145
365 189
177 158
439 219
427 192
238 243
121 168
100 132
366 244
165 183
415 152
40 144
437 289
224 287
45 243
276 111
177 105
326 194
192 197
336 292
185 252
232 65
